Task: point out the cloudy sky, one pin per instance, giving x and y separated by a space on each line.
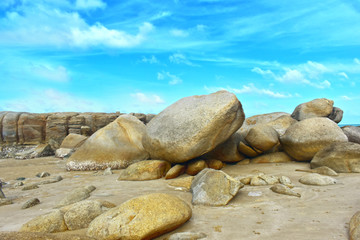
141 56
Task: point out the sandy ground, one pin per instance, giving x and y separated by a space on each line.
322 213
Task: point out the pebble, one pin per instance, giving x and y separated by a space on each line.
43 174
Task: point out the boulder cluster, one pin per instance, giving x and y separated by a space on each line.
196 135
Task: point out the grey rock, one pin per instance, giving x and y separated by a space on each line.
336 115
353 133
30 187
317 180
107 171
43 174
30 203
76 195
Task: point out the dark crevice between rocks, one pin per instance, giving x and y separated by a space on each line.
17 128
1 128
43 130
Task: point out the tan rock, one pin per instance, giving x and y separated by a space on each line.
341 157
282 189
175 171
193 126
187 236
284 180
73 141
214 164
56 128
304 139
354 228
276 157
195 166
76 195
10 127
117 145
262 137
317 180
214 188
49 223
227 151
183 183
320 107
248 150
144 217
323 170
40 236
281 124
145 170
31 128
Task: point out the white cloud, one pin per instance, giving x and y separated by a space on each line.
292 76
173 79
89 4
179 58
314 69
356 60
343 75
57 74
179 33
147 99
151 60
161 15
251 89
346 98
51 100
100 35
262 72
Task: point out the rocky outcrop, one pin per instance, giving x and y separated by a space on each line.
144 217
341 157
117 145
304 139
193 126
353 133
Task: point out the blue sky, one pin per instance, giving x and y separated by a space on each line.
141 56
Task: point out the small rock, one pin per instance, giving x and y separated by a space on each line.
214 164
270 180
175 171
107 171
324 170
246 180
50 223
144 217
317 180
187 236
64 152
20 178
286 181
5 201
54 180
258 181
145 170
214 188
43 174
30 187
282 189
194 167
30 203
40 236
182 183
76 195
18 184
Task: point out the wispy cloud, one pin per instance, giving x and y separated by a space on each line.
151 60
57 74
179 33
357 61
171 78
161 15
89 4
346 98
147 99
250 89
179 58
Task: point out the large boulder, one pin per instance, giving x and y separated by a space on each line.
281 124
352 132
341 157
145 170
117 145
144 217
49 223
227 151
336 115
193 126
320 107
304 139
73 140
262 137
214 188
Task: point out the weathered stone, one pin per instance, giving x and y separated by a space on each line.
183 183
227 151
186 236
304 139
140 116
270 180
317 180
107 171
41 150
214 188
30 187
257 181
195 166
276 157
30 203
248 150
354 228
145 170
341 157
175 171
31 128
64 152
336 115
149 117
10 128
320 107
262 137
214 164
49 181
193 126
281 124
117 145
43 174
5 201
73 141
323 170
76 195
144 217
40 236
57 128
284 180
353 133
246 180
282 189
49 223
79 215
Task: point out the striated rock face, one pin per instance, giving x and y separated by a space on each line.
144 217
193 126
117 145
304 139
